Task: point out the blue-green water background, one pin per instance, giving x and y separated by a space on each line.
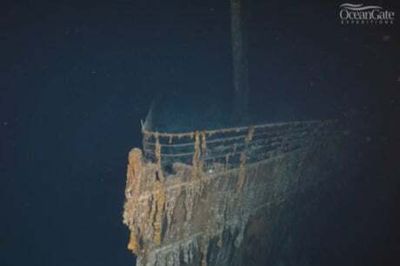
79 75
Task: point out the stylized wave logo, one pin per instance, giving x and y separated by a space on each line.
358 7
361 14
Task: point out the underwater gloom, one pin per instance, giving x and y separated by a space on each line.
201 133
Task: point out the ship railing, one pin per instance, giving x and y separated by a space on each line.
231 147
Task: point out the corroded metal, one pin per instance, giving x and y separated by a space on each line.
194 198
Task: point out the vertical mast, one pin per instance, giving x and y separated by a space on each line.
240 68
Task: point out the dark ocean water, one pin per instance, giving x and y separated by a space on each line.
79 76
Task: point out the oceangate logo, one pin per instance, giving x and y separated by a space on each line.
360 14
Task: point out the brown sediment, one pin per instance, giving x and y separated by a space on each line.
196 160
160 174
159 198
133 180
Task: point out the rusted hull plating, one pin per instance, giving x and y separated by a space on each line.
190 197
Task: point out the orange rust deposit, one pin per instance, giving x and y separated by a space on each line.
195 198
